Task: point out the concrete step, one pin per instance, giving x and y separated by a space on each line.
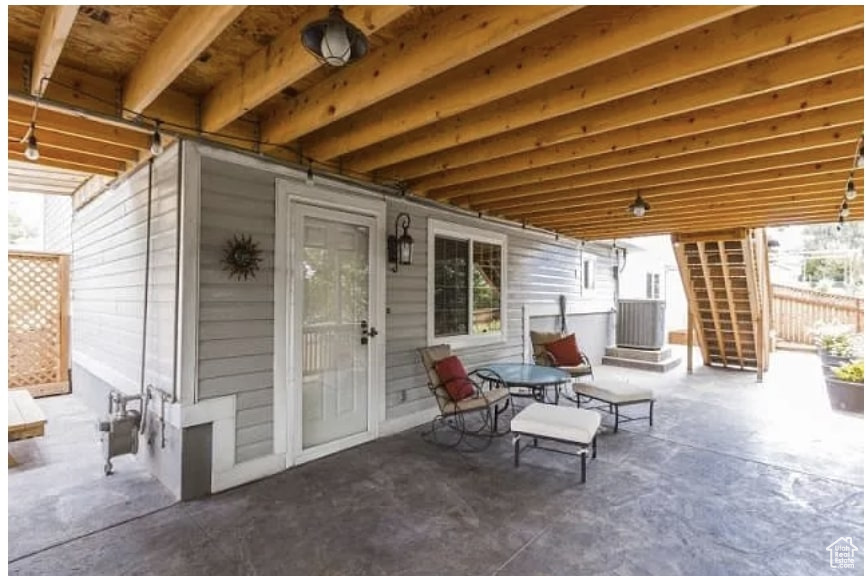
664 366
638 354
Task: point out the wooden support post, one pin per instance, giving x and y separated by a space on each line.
690 330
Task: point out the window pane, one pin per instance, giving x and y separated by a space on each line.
451 287
486 288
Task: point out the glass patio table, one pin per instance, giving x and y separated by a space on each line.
535 379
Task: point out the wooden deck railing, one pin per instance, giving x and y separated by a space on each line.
797 311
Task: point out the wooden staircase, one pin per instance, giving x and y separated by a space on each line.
726 279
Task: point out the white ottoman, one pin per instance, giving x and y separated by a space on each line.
559 423
616 393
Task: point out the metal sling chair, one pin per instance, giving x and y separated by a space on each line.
486 404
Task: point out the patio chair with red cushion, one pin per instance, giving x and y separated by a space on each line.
562 351
466 409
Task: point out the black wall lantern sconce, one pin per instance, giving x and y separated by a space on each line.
401 246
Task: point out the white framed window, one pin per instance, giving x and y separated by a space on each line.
653 285
466 285
588 273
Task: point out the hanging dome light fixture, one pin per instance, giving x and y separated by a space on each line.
334 40
639 207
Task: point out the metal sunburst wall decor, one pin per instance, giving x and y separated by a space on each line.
241 257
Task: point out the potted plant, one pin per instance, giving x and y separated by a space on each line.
845 387
835 345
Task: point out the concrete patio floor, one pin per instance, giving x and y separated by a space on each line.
736 477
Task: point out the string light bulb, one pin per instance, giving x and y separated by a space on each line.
311 177
839 223
156 141
844 211
31 152
850 188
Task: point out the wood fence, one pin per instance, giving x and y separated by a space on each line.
38 322
797 311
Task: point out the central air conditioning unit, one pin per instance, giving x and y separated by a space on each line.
641 324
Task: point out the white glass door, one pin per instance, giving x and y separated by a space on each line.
332 305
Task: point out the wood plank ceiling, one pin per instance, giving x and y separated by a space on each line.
552 116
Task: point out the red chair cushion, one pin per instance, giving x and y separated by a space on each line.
453 376
565 352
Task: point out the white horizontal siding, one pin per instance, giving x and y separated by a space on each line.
109 237
540 269
236 346
236 317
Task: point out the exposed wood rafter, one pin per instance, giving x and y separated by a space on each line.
279 65
191 30
447 40
56 25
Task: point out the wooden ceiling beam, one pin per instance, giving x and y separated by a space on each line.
685 193
614 167
73 92
827 192
443 42
20 113
799 166
56 24
696 105
584 155
721 216
616 230
190 31
749 36
576 41
79 158
812 148
280 64
49 158
48 137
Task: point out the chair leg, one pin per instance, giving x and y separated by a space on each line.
616 418
495 419
593 447
578 400
583 467
652 402
516 442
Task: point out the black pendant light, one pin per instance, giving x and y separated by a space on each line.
334 40
639 207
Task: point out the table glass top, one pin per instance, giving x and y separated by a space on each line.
517 374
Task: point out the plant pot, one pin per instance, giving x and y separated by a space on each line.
845 395
828 359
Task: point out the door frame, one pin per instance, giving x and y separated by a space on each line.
287 386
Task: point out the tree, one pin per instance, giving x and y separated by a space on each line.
844 268
19 231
